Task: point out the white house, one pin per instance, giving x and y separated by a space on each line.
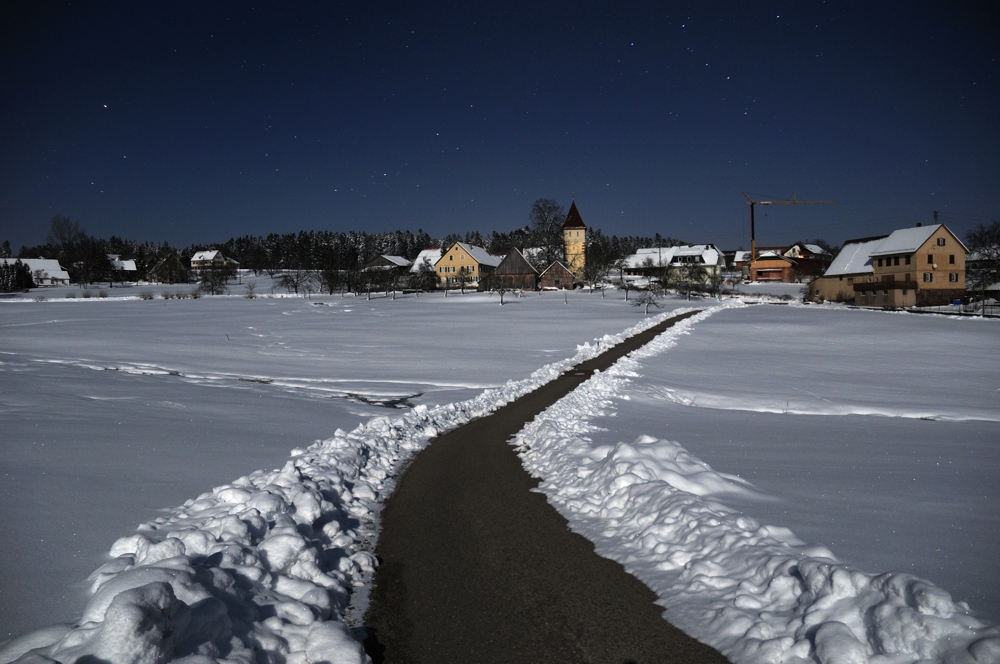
45 271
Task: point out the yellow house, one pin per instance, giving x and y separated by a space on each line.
575 241
464 265
921 266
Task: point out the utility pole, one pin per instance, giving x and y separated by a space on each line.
776 201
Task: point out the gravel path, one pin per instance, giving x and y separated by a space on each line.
476 567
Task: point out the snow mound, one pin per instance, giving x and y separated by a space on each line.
264 569
755 592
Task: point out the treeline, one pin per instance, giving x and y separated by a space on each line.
15 277
86 257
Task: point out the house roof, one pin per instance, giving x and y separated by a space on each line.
741 256
560 266
573 218
430 256
905 240
117 263
206 255
659 256
50 266
480 255
708 253
854 257
515 263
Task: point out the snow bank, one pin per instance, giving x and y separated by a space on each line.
755 592
263 569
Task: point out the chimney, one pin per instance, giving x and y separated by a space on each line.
919 224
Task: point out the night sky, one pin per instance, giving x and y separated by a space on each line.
197 122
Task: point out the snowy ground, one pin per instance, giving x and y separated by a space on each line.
814 419
114 409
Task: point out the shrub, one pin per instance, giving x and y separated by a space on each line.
146 295
166 296
87 295
195 294
181 295
71 295
102 293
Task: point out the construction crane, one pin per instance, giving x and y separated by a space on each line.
778 201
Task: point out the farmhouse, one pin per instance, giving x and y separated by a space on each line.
212 258
44 271
852 264
659 262
920 266
464 265
514 271
425 260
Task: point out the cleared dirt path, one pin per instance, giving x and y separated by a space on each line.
478 568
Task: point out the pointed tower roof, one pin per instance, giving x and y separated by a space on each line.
573 219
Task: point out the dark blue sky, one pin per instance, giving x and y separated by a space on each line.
195 122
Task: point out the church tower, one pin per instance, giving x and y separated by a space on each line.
575 241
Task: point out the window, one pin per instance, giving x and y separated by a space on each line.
452 257
951 259
905 291
928 276
930 258
880 262
907 260
895 260
885 292
940 241
953 277
841 277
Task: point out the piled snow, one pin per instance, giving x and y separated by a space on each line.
263 569
755 592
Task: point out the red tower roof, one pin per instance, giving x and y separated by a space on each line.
573 219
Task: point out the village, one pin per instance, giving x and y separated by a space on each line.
908 268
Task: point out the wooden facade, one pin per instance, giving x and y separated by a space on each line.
557 276
516 272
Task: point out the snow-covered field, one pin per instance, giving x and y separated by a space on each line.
869 435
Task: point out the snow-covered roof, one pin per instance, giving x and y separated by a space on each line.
814 248
905 240
658 256
480 255
708 253
205 255
854 258
397 260
50 267
123 265
741 256
429 256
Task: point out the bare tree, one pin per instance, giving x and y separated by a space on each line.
64 233
546 219
496 283
646 299
298 280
